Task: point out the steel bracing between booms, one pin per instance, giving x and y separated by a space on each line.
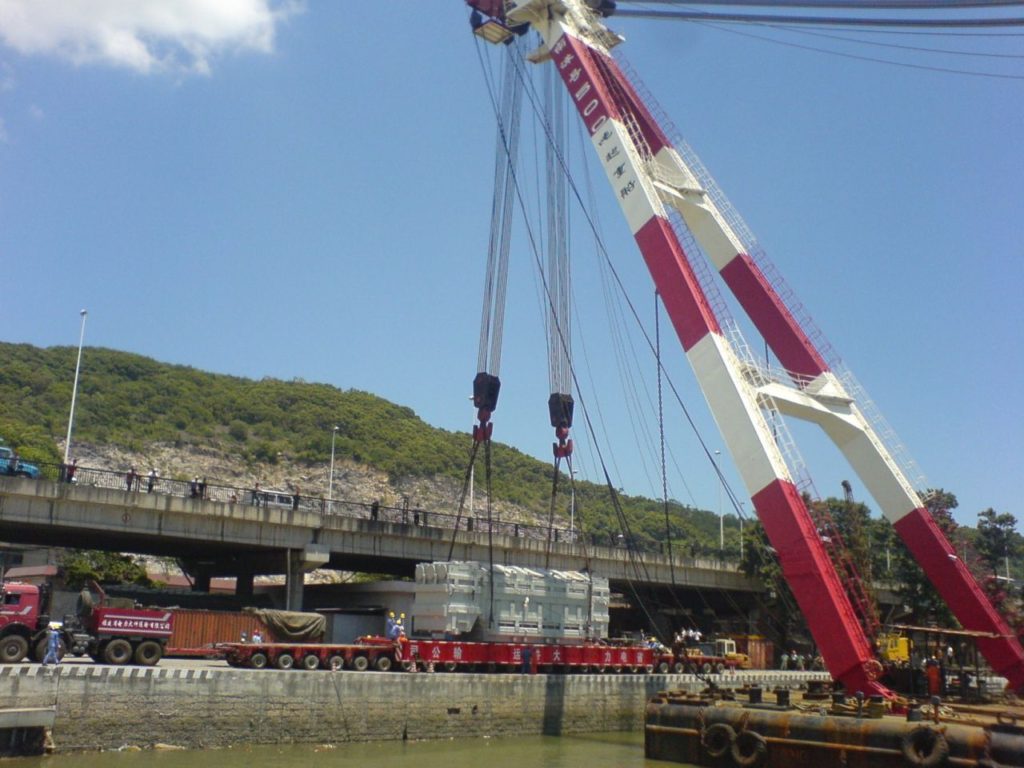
649 176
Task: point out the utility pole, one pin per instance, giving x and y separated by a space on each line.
74 390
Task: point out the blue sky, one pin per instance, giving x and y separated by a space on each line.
304 191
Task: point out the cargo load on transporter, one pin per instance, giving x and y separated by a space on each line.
105 630
465 620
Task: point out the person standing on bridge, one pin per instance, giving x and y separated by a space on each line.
153 475
256 495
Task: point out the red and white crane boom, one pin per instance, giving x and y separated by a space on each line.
650 178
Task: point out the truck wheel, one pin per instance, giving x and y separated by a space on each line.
383 663
310 662
706 669
360 663
679 667
148 653
720 668
13 649
258 660
285 661
118 651
336 663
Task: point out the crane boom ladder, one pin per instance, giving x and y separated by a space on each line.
647 174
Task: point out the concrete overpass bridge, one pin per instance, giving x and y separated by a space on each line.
267 534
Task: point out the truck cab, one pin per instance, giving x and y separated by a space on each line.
22 620
10 464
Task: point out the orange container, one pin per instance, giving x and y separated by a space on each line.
195 632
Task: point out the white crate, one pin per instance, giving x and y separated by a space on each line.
453 599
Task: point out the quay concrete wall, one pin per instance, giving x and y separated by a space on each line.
101 707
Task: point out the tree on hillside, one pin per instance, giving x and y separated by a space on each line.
920 599
81 566
997 542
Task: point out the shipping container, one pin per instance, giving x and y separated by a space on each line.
760 650
196 632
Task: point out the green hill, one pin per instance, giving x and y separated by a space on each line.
132 401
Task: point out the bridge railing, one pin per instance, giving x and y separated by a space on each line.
202 490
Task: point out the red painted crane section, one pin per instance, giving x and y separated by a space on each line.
647 173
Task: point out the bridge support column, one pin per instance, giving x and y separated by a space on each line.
294 580
201 580
244 584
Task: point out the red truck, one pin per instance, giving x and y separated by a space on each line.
103 630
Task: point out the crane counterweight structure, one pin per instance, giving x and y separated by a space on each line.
655 187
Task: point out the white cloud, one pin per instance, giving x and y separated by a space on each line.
36 112
144 35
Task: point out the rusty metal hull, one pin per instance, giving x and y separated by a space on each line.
681 729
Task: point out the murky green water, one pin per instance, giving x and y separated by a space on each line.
616 750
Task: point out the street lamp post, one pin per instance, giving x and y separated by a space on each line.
721 520
74 389
330 480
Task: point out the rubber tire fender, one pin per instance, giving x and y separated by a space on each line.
924 746
749 749
717 739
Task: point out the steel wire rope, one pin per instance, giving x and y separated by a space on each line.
535 250
851 5
871 59
837 21
769 24
661 435
495 286
635 562
730 493
916 48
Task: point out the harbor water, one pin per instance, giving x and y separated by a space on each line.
614 750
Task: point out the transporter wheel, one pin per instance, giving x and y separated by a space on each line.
310 662
258 660
383 664
749 749
336 663
117 651
284 661
450 666
492 667
148 653
663 668
13 649
360 663
706 668
679 667
924 746
720 668
717 739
